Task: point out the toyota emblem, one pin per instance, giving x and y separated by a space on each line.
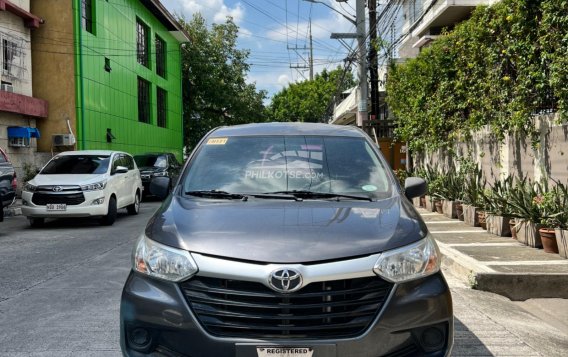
285 280
57 188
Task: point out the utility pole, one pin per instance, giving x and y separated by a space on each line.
373 62
362 59
311 53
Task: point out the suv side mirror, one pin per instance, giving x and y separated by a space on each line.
160 187
121 170
415 187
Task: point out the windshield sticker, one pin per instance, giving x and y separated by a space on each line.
369 188
217 141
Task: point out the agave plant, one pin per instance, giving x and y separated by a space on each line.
526 200
496 198
473 186
450 187
555 204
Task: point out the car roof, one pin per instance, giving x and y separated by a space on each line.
92 152
154 153
263 129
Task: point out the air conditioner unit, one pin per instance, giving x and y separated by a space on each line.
63 139
7 87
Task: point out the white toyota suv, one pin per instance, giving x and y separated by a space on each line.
84 183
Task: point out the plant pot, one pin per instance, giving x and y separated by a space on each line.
423 201
548 238
527 233
438 205
513 228
430 204
470 215
498 225
449 209
482 219
459 211
562 242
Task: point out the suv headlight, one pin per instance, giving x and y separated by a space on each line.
30 188
160 173
410 262
94 186
162 261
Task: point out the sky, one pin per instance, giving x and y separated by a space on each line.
276 33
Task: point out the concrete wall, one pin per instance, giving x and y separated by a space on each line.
517 155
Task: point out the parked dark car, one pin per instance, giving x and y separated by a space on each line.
157 165
8 183
286 239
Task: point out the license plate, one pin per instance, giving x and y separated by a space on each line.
279 351
56 207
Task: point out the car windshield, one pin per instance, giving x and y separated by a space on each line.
151 161
339 165
77 164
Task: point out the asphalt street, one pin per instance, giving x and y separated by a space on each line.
60 290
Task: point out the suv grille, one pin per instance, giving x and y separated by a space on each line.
71 199
339 308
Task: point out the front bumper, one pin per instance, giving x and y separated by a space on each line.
85 209
160 309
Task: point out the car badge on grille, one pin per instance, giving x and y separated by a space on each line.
57 188
285 280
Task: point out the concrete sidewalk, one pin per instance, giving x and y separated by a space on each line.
497 264
15 209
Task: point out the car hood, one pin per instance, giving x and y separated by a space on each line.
71 179
286 231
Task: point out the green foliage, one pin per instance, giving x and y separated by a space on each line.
496 198
214 77
497 68
526 200
308 101
401 175
474 186
29 171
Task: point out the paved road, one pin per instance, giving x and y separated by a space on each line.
60 289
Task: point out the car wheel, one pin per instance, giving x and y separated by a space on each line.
36 222
110 217
134 208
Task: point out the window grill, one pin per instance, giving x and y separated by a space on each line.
162 107
12 56
142 43
160 57
143 100
87 15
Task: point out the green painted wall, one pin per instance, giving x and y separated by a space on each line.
110 100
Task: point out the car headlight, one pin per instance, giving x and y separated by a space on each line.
160 174
30 188
94 186
162 261
410 262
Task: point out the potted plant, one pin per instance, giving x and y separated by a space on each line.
473 186
497 207
546 202
523 199
430 175
561 218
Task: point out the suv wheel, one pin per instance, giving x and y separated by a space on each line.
134 208
36 222
110 217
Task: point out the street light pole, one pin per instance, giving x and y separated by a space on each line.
362 54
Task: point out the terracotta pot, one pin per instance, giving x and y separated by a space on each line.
513 226
438 205
459 211
548 238
481 218
562 242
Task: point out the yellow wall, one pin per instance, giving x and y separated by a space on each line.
54 67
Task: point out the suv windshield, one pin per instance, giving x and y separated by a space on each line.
151 161
340 165
77 164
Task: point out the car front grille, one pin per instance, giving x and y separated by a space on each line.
71 199
331 309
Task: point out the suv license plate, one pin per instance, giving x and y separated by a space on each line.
56 207
278 351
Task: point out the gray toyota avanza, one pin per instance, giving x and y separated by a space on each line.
286 239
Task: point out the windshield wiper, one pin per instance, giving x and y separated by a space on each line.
312 194
216 194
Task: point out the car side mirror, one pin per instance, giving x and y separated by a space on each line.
160 187
121 170
415 187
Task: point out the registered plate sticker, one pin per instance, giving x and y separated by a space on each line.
56 207
280 351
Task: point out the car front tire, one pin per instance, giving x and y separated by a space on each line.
134 208
110 217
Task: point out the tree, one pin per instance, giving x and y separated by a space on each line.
214 77
309 101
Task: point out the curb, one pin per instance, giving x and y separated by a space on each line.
517 287
13 210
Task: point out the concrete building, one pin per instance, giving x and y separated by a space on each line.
424 20
20 111
111 71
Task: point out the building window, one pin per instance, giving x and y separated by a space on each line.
142 50
143 100
415 10
87 15
160 57
10 55
162 98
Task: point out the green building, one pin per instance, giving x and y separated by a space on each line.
111 73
